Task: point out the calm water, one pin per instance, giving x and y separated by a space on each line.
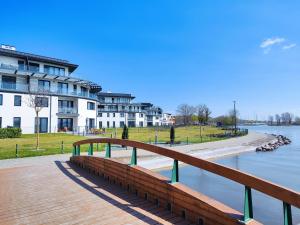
281 166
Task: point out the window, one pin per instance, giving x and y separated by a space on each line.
62 88
65 124
41 101
100 124
0 122
100 114
21 65
65 104
90 105
43 125
1 99
83 91
107 124
75 88
34 67
17 122
53 70
44 85
17 100
91 123
114 115
8 82
107 114
121 114
141 124
122 124
141 115
114 124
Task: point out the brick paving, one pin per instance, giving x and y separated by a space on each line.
58 193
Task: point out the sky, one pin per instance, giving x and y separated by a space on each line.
171 52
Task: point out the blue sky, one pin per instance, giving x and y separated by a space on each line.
171 52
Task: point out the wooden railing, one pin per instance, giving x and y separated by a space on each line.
287 196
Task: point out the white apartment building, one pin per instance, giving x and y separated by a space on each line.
67 103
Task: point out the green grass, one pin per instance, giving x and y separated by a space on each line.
192 133
51 143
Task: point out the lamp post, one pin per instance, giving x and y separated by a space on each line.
234 112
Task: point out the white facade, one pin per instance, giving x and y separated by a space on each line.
69 104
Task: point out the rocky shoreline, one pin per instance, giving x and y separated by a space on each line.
280 140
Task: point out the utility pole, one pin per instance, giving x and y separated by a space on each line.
234 111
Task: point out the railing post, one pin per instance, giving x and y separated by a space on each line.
17 150
108 151
91 149
133 161
248 207
62 147
78 150
175 172
287 214
74 150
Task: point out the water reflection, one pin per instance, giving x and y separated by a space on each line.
281 166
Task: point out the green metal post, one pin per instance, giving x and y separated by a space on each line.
17 150
62 147
97 147
91 149
287 214
74 151
108 151
78 150
175 172
248 207
133 161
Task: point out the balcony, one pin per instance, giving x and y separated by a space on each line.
67 111
14 87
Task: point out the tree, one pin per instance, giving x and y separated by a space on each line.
37 102
125 132
278 120
200 112
271 119
287 118
185 111
207 113
172 135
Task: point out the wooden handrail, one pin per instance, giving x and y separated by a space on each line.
279 192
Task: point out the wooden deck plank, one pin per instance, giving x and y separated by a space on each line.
56 194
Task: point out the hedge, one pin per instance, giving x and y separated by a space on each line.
10 132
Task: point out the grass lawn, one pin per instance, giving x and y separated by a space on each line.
51 143
192 133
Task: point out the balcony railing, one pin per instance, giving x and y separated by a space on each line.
30 69
67 110
14 86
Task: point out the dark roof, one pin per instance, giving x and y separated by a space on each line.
39 58
109 94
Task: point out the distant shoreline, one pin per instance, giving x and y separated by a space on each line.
212 150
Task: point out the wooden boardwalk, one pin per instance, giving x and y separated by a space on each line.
59 194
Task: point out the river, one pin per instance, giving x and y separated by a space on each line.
281 166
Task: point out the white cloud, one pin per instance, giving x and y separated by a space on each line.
268 43
286 47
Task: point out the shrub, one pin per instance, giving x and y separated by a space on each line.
10 132
172 135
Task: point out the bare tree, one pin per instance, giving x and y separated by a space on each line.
278 120
185 111
271 119
287 118
207 113
200 112
37 102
